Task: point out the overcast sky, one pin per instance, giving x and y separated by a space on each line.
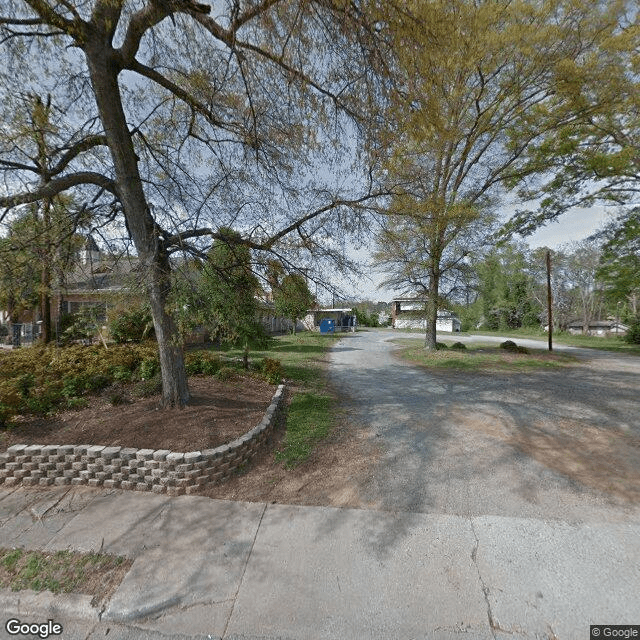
575 225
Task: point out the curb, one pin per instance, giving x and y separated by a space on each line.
46 605
159 471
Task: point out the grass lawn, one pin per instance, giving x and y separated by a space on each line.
479 357
612 343
311 410
61 571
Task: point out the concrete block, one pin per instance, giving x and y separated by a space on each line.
16 449
161 454
80 449
33 450
145 454
43 482
94 451
175 457
111 484
59 482
192 456
127 453
109 453
95 482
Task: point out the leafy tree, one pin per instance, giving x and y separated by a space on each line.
175 123
505 289
588 152
292 298
619 268
480 84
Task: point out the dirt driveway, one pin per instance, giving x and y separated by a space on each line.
551 444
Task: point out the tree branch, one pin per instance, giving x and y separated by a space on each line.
58 185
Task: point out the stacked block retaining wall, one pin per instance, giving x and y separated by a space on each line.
160 471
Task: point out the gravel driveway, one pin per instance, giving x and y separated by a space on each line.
553 444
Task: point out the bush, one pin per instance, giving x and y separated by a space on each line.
272 370
226 373
4 330
132 325
440 346
633 334
149 367
512 347
39 379
459 346
202 363
147 387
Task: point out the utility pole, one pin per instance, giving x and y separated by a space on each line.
549 301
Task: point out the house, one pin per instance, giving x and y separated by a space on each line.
600 328
409 313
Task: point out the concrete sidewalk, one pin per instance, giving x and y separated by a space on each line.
216 569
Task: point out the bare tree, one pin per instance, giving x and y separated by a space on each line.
193 123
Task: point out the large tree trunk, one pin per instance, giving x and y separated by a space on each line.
432 313
142 228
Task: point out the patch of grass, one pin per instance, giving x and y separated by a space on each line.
308 421
609 343
59 572
481 357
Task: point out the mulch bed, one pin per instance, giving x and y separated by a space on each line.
218 413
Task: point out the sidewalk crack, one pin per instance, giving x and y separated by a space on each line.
485 590
244 570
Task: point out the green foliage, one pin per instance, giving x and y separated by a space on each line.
84 325
133 324
308 422
365 319
292 298
458 346
149 367
633 334
272 370
58 572
619 268
226 373
511 346
39 379
147 387
202 363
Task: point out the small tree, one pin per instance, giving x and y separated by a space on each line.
292 298
226 294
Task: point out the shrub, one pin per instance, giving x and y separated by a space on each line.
202 362
633 334
132 325
147 387
149 367
460 346
272 370
440 346
512 347
226 373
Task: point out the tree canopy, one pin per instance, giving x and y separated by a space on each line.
171 122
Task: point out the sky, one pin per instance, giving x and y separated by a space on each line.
577 224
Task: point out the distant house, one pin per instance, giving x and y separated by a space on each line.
409 313
95 281
601 328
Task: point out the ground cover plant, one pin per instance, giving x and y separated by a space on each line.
62 572
480 356
89 394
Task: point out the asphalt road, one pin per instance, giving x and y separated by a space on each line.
553 444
